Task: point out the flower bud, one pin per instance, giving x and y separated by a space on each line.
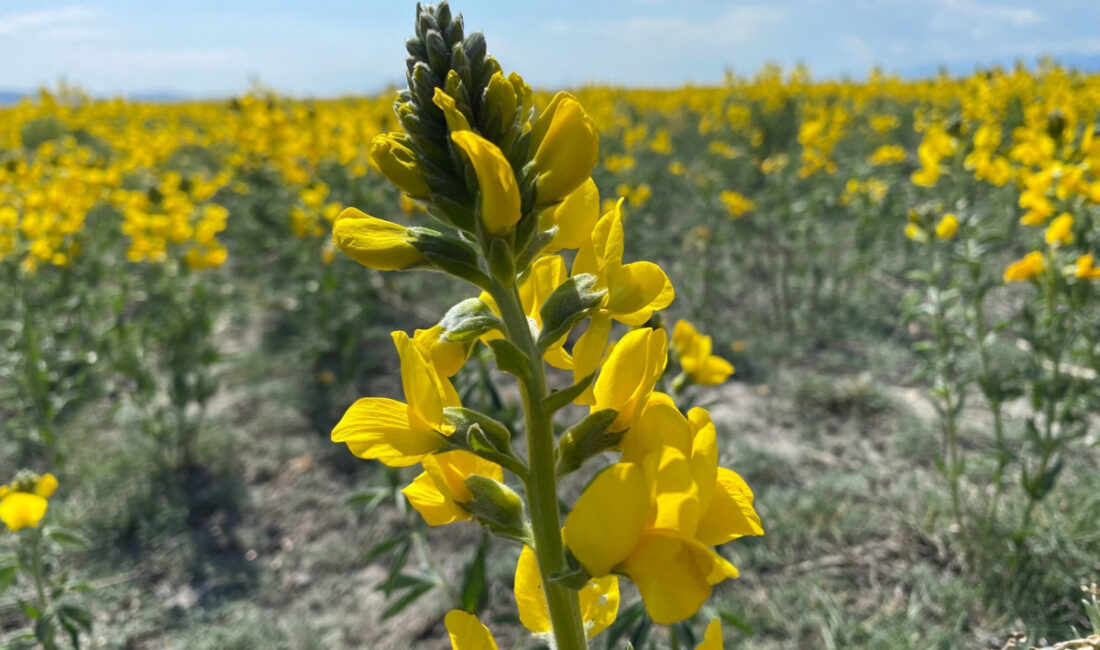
375 243
499 202
391 153
565 146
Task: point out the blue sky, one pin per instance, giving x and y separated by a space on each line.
216 48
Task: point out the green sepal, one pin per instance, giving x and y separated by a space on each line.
566 306
469 320
565 396
465 419
497 506
501 263
585 439
450 256
573 576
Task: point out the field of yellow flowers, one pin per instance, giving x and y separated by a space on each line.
851 327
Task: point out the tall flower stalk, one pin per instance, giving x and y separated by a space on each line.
510 189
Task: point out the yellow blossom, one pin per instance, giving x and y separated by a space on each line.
1030 266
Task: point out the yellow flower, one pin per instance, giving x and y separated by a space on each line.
1031 265
446 357
467 633
712 638
694 352
1060 231
375 243
440 490
397 161
641 519
599 599
396 433
948 226
915 233
736 204
888 154
565 146
499 195
1085 268
634 291
24 504
456 120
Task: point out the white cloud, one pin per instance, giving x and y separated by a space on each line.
28 21
734 27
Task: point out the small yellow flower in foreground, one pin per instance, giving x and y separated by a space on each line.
391 153
24 504
467 633
712 638
1031 265
915 233
565 146
1060 231
948 226
396 433
1085 268
694 353
599 599
499 195
440 490
373 242
736 204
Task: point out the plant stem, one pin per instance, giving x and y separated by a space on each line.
541 482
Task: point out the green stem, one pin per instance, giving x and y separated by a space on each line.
541 482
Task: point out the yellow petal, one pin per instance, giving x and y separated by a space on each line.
712 638
588 352
673 491
425 391
639 289
467 633
599 604
499 194
608 518
397 161
704 454
530 599
574 217
660 424
374 243
714 371
378 428
731 513
435 505
628 375
674 575
19 510
447 357
566 146
456 121
47 485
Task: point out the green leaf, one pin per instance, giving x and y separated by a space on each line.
566 306
393 578
409 597
469 320
67 537
510 359
475 588
7 576
385 546
562 398
77 615
735 622
30 610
